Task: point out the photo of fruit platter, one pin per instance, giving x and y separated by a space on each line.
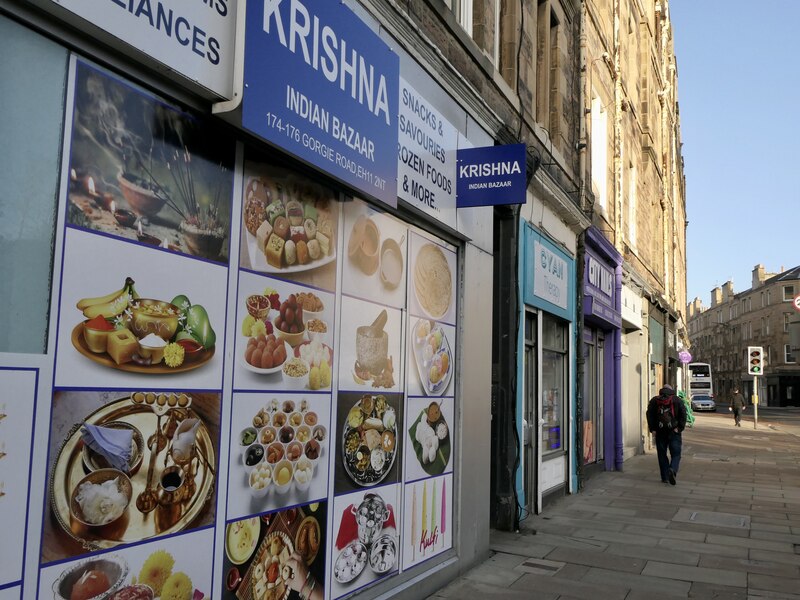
282 451
288 339
124 331
369 439
275 555
139 466
290 222
433 356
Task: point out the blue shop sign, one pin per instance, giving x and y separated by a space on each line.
322 86
547 273
491 176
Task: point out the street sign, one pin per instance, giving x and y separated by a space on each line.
796 302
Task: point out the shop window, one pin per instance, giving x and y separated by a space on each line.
554 383
33 72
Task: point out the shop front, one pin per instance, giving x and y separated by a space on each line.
602 390
237 336
546 370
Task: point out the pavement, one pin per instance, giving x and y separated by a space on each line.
729 528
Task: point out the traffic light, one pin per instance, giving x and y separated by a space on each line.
755 360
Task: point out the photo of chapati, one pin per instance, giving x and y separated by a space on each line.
433 281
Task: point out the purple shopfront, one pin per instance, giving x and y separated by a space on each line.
602 418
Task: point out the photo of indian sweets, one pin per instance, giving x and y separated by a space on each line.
135 465
144 171
276 555
289 225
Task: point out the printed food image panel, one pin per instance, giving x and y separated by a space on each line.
130 316
289 225
365 548
175 568
429 437
427 519
376 246
16 422
146 172
277 555
431 359
125 467
13 592
371 339
285 336
432 280
279 451
368 440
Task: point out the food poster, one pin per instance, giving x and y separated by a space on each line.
370 347
17 405
280 450
368 440
276 555
132 317
365 548
429 434
376 246
430 357
142 170
128 466
173 568
427 519
289 225
284 336
432 280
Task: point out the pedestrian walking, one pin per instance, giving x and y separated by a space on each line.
666 419
687 406
737 406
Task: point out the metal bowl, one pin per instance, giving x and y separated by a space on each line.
153 316
98 477
114 567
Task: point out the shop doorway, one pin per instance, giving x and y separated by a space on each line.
593 398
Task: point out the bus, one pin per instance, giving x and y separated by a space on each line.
700 380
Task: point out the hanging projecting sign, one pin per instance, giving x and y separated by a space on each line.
426 160
322 86
491 176
193 39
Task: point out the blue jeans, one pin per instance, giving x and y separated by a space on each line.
673 443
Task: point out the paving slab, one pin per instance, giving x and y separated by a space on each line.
653 584
784 585
678 557
609 590
760 567
727 577
606 560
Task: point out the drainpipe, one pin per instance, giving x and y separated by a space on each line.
619 443
583 95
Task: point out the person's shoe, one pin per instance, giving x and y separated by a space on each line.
671 475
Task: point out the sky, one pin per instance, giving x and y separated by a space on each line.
739 95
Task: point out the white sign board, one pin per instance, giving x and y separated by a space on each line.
426 156
550 274
193 38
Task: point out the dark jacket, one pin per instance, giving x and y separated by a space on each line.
652 415
737 401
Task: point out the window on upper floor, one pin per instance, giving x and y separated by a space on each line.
769 297
548 78
766 326
788 357
600 152
786 322
788 293
763 300
463 12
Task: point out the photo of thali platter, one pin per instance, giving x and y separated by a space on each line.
432 280
144 171
285 336
289 225
128 316
367 543
368 440
174 568
376 248
279 452
276 555
126 467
